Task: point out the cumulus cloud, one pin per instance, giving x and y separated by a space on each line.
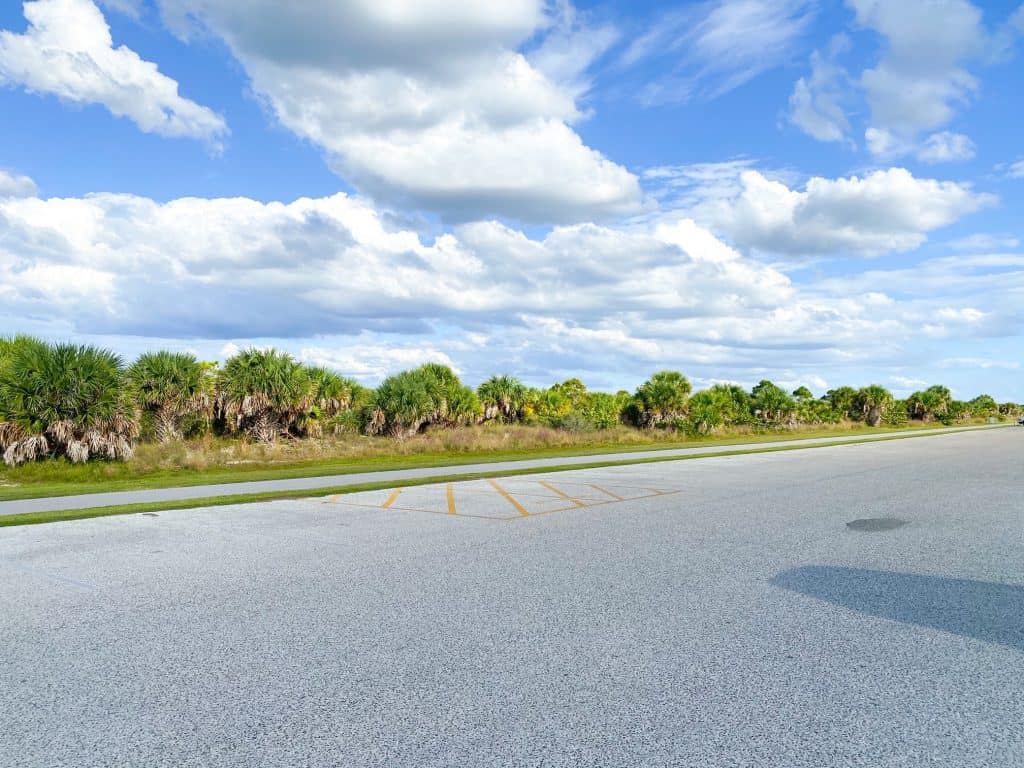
16 186
370 361
234 268
68 52
427 104
921 77
332 280
717 46
883 211
946 147
816 104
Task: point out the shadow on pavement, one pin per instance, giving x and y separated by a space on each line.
983 610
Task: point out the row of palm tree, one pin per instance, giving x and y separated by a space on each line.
82 403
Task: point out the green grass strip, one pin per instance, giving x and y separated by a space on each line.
36 518
180 478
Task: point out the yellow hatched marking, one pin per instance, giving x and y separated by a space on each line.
508 497
563 494
607 492
392 498
451 500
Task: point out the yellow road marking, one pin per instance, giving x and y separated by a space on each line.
334 499
508 497
564 495
606 491
391 498
451 500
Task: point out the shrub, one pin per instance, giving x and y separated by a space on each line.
63 400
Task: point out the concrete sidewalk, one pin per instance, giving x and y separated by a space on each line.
92 500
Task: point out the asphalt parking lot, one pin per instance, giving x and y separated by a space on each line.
858 605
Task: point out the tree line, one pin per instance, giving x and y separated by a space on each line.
82 402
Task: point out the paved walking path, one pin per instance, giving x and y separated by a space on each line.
92 500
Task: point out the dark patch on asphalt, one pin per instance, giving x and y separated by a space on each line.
872 524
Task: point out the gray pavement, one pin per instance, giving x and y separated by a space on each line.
713 612
157 495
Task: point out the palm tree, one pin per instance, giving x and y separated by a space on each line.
429 395
330 395
169 386
65 400
662 398
263 393
932 403
841 399
709 409
871 401
502 397
771 402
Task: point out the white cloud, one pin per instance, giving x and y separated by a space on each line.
719 45
369 362
884 211
908 384
429 104
816 104
218 268
68 52
331 280
984 242
946 147
921 78
1016 170
16 186
979 362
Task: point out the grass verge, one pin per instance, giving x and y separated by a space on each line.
57 478
36 518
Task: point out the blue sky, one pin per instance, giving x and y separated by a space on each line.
820 193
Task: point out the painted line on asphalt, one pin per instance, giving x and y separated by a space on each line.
391 499
606 492
451 500
508 497
563 494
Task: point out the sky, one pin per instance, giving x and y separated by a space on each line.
819 192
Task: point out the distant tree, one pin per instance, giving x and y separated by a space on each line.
803 393
984 406
263 393
169 387
932 403
63 400
871 403
412 400
842 401
709 409
330 395
662 398
771 402
502 397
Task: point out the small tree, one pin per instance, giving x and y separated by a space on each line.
263 393
871 402
170 386
771 402
63 400
502 397
662 398
842 401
